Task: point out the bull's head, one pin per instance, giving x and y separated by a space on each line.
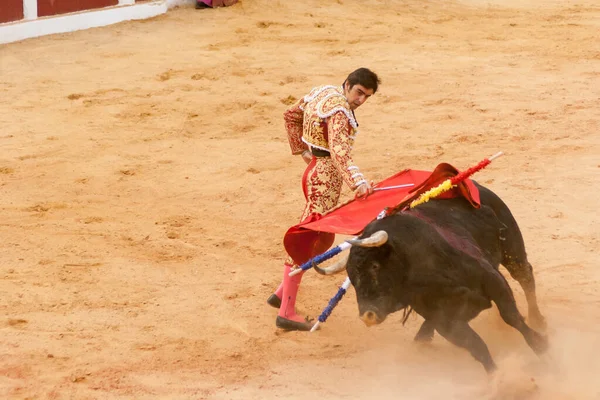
372 268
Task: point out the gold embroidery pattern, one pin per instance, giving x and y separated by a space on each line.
294 117
340 142
321 105
322 185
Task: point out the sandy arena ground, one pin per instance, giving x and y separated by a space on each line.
146 184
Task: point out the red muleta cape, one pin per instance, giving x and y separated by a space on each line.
316 233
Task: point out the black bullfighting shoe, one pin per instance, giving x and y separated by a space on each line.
290 325
274 301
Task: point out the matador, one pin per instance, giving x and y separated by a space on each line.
322 127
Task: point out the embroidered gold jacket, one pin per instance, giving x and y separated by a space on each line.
323 120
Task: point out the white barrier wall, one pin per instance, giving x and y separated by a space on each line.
27 23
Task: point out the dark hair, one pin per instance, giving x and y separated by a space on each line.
364 77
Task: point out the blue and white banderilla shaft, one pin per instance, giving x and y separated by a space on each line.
321 258
332 304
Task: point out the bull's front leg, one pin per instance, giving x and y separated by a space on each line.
500 293
462 335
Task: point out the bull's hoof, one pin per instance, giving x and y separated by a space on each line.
538 343
290 325
537 322
426 332
424 337
274 301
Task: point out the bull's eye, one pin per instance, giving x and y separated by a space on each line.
373 274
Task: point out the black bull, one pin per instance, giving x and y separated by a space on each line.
441 259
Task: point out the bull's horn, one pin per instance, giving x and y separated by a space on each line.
375 240
333 269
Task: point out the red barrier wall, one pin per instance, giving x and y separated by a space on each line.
54 7
11 10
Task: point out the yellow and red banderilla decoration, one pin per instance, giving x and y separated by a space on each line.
452 182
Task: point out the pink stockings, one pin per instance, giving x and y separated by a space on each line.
289 292
287 317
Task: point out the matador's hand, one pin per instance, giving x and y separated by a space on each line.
363 190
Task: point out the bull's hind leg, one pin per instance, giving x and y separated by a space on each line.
522 272
498 290
514 256
510 315
462 335
514 259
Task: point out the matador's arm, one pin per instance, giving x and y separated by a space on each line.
294 117
340 145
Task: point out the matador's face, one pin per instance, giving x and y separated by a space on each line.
356 95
